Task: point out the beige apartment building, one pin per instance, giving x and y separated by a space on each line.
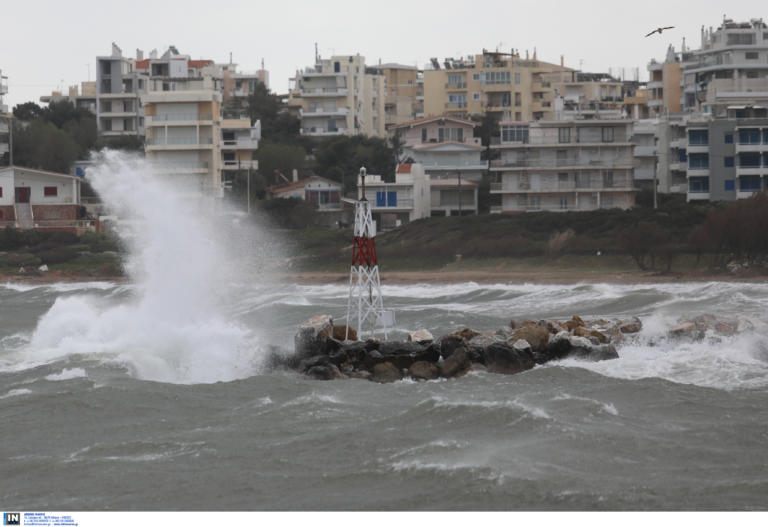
664 85
564 165
503 84
404 99
80 97
340 96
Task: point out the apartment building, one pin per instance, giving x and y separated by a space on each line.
671 154
564 165
664 85
445 146
644 137
340 96
581 95
727 158
4 123
404 99
119 86
502 84
240 85
635 104
730 68
239 142
396 203
83 96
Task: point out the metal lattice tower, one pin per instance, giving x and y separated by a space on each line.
364 280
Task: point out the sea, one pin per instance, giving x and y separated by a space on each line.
155 393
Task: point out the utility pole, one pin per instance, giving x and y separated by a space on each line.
459 192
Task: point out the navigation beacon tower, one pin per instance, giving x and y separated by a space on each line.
364 280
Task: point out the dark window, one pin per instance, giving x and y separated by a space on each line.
751 55
50 191
381 199
698 137
749 159
730 184
729 139
698 185
728 161
749 183
683 155
1 192
564 135
749 136
607 134
423 135
698 161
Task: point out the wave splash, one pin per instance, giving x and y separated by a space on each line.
175 328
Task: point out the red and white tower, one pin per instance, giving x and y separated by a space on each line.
365 305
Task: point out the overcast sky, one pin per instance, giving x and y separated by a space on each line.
47 45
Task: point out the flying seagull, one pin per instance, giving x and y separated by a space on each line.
659 30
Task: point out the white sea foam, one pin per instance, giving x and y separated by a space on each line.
16 393
175 328
67 374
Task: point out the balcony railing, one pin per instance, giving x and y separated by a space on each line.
455 85
179 141
399 204
459 105
189 165
181 117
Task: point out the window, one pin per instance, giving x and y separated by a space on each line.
729 139
381 199
749 159
518 99
683 155
496 77
534 203
563 202
475 76
735 39
450 134
562 157
749 136
607 179
607 134
697 185
50 191
751 55
525 182
753 74
518 116
728 160
564 135
423 135
698 137
730 184
698 161
749 183
475 96
458 100
1 192
514 134
517 78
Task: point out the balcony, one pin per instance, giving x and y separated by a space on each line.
240 144
324 92
453 86
323 132
3 127
645 151
250 164
180 168
653 103
541 86
322 112
399 204
456 105
750 170
655 85
178 143
170 119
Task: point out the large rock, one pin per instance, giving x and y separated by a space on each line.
563 345
421 336
340 333
534 334
456 365
306 341
402 354
633 326
686 330
590 333
328 372
310 362
386 372
423 371
449 343
503 358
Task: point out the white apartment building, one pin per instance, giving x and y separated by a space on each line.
340 96
239 141
396 203
564 165
730 68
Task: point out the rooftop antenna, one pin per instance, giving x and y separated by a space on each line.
317 56
364 279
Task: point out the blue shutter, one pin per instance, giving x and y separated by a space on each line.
391 199
381 199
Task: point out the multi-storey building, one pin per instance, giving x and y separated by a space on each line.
579 95
240 85
644 137
4 122
83 97
340 96
502 84
730 68
564 165
119 86
396 203
635 104
664 88
404 99
239 141
727 158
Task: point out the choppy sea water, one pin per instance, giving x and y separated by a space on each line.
111 401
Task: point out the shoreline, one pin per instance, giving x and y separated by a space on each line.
540 275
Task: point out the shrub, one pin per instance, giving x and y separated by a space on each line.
20 260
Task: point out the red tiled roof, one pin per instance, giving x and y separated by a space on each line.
404 168
301 183
199 63
142 64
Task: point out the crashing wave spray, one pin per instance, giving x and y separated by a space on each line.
175 329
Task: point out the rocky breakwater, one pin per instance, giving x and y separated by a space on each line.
325 351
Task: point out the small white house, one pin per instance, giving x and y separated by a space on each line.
38 199
324 194
399 202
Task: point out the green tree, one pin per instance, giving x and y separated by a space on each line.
340 159
42 145
27 111
279 157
